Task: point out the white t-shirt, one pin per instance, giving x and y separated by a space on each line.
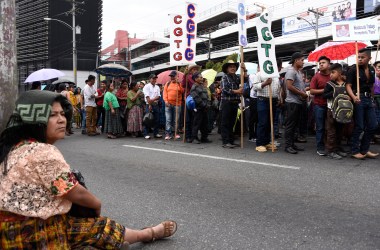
151 91
87 92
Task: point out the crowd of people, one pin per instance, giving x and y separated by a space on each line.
192 108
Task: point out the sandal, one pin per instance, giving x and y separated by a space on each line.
167 231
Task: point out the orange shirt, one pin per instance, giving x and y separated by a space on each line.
170 93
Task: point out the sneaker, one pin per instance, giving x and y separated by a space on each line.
341 153
321 152
168 137
334 156
291 150
301 139
228 145
277 144
147 137
252 140
158 136
261 149
177 137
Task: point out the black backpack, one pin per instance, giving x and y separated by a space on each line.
342 108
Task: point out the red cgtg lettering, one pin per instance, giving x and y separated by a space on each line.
178 32
178 19
177 56
178 43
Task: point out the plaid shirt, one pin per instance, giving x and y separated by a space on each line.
229 83
264 92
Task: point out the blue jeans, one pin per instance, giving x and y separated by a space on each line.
83 119
320 118
170 115
365 120
156 115
263 124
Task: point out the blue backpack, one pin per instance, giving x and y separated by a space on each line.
190 104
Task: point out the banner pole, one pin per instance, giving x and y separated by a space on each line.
184 111
377 50
176 105
241 98
271 116
357 70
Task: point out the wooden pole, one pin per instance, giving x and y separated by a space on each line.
176 105
241 98
357 70
377 50
271 116
184 112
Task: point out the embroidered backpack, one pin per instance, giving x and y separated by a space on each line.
342 108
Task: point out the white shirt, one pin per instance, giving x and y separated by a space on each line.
252 93
258 80
87 92
151 91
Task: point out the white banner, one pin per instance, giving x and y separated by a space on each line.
183 35
337 12
266 47
242 23
359 30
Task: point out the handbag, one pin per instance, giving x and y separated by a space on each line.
78 210
148 119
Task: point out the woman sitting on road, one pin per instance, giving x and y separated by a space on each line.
112 122
37 187
135 113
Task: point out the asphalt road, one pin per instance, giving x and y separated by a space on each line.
232 198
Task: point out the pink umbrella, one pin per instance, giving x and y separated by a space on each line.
164 77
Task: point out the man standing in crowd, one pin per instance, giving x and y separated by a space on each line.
152 95
200 122
172 95
295 95
83 110
188 81
317 86
230 99
90 93
253 117
262 85
364 111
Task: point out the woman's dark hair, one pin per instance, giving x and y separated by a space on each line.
11 136
132 85
62 87
108 85
36 85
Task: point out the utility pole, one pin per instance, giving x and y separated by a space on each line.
8 62
317 14
209 44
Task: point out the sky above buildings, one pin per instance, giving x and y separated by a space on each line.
144 18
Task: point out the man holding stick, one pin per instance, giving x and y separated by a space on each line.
263 85
364 111
187 84
230 99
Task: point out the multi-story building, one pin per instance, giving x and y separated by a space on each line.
218 32
42 44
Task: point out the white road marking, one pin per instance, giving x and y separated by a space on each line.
216 157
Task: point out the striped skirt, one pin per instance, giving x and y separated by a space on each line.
135 117
112 123
59 232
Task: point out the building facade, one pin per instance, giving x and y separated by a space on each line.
42 44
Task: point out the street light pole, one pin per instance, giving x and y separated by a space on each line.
74 46
73 28
315 25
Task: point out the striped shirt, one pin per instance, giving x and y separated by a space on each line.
258 80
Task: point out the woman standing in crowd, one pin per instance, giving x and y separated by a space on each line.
135 112
121 95
62 89
38 192
77 111
112 123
